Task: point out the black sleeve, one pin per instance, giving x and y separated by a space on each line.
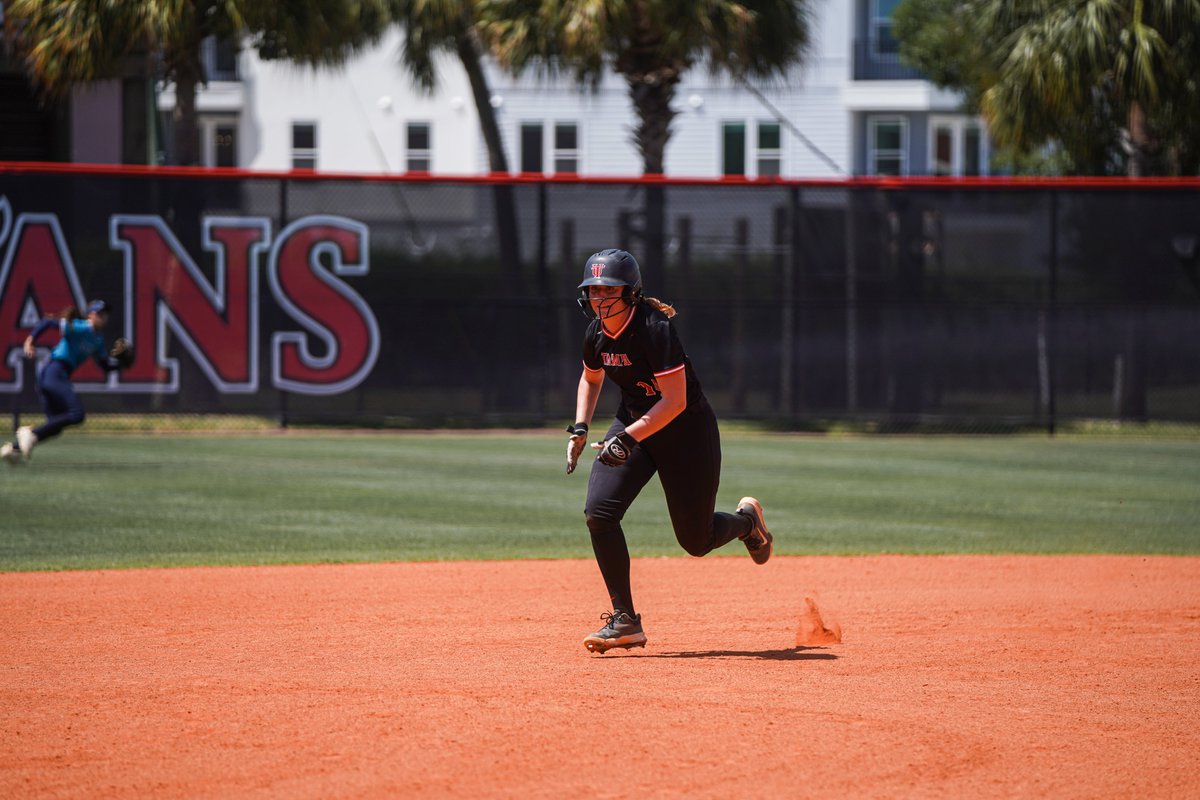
664 351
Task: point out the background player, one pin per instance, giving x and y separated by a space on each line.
80 339
663 425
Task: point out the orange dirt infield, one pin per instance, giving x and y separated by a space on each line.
956 677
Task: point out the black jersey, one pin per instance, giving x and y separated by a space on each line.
641 352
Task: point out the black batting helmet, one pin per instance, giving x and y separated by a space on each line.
611 267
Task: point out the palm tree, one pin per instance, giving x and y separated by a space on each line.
1074 52
433 26
69 42
651 44
1111 81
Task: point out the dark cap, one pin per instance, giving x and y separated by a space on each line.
98 307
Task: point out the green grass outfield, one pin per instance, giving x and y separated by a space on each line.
94 500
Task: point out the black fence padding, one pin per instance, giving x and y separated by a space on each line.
974 307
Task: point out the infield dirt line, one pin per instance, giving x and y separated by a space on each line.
956 676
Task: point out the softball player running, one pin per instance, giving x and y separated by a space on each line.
664 425
81 339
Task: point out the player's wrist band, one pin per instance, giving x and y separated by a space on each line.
627 439
578 429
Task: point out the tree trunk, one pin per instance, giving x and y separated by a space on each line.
135 129
651 94
1139 142
509 394
183 118
503 194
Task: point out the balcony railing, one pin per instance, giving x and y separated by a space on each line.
872 65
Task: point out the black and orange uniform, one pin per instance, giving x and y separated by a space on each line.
686 453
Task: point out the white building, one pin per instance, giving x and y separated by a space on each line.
851 109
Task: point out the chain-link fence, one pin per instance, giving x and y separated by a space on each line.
434 302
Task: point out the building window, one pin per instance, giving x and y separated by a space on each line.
973 160
883 42
218 59
531 147
304 145
566 147
942 162
887 152
958 147
770 153
419 147
733 148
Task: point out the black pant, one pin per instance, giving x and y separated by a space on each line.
686 454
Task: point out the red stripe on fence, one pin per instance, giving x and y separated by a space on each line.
910 182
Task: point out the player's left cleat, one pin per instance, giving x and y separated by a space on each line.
10 454
758 540
26 439
622 630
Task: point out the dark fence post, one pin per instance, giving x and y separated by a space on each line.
851 290
737 386
908 370
654 252
625 231
683 256
544 294
283 221
1052 335
20 370
792 296
568 366
787 309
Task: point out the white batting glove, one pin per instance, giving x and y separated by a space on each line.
575 444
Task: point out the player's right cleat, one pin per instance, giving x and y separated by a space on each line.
758 540
622 630
10 454
26 439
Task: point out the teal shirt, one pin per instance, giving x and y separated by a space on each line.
79 342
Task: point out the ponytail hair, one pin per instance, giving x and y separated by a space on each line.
659 305
70 314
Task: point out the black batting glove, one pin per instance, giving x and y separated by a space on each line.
615 451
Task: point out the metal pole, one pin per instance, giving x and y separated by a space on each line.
851 303
544 293
1052 338
18 369
283 216
737 389
791 269
567 360
779 239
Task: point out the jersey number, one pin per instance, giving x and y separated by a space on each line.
651 388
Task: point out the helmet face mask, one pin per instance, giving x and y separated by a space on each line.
605 307
610 268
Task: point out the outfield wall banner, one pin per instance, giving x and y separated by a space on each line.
387 300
